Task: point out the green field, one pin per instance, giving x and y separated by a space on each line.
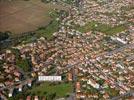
46 89
107 29
48 30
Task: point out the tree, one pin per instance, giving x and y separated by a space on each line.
24 64
4 36
51 96
101 81
44 92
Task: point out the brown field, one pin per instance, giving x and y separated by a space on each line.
20 16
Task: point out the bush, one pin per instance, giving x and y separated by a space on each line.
24 64
4 36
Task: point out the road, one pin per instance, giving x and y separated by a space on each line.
118 50
72 66
108 53
129 93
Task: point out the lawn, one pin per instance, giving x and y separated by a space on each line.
107 29
116 29
86 28
46 89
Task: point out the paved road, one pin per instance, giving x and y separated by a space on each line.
109 53
130 57
118 50
72 66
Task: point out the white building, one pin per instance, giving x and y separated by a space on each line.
117 39
93 83
49 78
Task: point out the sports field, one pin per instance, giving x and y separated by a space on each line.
20 16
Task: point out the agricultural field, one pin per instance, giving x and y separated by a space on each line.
21 16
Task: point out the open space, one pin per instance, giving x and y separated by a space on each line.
104 28
21 16
47 88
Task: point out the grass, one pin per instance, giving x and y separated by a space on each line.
104 28
49 90
65 1
112 92
48 30
91 90
69 1
24 64
46 89
116 29
53 26
40 18
16 52
86 28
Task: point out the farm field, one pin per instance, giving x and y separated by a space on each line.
20 16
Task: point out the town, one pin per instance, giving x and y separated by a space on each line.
93 50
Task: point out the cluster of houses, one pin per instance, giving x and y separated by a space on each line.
110 13
95 62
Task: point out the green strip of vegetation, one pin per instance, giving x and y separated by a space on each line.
46 31
69 1
115 30
65 1
107 29
53 26
49 30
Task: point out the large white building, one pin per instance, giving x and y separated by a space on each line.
49 78
93 83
